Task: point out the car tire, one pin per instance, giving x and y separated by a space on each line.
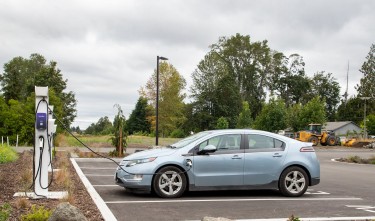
293 182
169 182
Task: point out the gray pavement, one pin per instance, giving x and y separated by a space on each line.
346 191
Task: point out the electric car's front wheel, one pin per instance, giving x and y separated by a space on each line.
169 182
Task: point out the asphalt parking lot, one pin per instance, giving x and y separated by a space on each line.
346 192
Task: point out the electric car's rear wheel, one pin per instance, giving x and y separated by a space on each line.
169 182
293 182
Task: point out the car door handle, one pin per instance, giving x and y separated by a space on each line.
277 155
236 157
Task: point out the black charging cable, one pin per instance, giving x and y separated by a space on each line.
189 163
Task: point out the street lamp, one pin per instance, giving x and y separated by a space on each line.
364 118
157 97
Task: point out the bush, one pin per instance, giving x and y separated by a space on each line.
177 133
222 123
37 214
5 211
7 154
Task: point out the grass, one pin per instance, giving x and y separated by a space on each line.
7 154
105 141
150 141
358 159
5 211
63 140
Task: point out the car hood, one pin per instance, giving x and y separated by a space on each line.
156 152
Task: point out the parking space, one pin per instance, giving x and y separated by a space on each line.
346 191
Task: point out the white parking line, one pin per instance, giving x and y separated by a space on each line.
317 193
112 175
366 208
99 168
233 200
106 185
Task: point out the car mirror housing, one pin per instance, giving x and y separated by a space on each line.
207 149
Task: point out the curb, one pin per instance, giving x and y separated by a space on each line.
102 206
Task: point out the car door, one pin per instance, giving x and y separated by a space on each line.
264 156
224 167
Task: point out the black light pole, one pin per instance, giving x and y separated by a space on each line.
157 98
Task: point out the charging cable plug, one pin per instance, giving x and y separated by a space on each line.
41 142
189 163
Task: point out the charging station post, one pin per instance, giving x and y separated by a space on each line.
41 155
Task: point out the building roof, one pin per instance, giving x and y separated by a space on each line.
337 125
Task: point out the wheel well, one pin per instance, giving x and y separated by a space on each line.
173 165
302 167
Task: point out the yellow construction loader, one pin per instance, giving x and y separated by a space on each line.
315 135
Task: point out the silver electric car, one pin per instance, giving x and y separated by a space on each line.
223 160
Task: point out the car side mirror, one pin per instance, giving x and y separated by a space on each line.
207 149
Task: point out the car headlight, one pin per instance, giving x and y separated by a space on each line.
139 161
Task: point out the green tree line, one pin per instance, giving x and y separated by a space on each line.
17 100
245 84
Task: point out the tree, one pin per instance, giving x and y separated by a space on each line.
352 110
293 117
120 135
313 112
171 96
242 69
244 119
18 118
228 99
222 123
249 63
102 127
326 87
370 124
272 117
366 86
288 80
137 121
22 75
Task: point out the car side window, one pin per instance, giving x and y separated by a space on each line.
263 142
223 142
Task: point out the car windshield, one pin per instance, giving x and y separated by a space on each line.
189 139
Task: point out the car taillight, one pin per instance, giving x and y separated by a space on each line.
307 149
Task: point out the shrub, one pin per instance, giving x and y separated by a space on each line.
222 123
354 159
22 203
37 214
372 160
178 133
5 211
7 154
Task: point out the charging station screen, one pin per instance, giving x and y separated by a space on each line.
41 121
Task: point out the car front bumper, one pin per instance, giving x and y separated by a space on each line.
133 181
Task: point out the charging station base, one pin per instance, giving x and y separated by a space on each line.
50 195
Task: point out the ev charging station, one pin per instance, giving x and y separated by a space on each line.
41 154
44 131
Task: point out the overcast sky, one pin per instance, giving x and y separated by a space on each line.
107 49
